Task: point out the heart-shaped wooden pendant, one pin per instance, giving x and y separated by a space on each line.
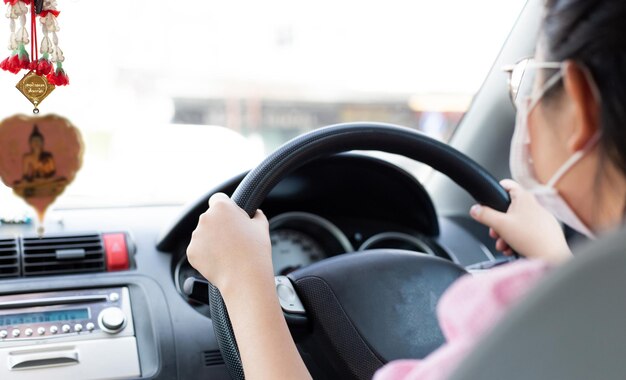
39 157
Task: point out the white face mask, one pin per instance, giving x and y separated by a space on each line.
522 167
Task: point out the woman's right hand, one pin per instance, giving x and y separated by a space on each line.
234 253
526 228
228 246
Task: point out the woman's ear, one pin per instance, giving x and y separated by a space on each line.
582 92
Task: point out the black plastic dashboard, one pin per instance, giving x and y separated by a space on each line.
361 196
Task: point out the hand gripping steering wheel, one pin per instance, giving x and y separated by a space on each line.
363 309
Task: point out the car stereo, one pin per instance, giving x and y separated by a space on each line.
56 314
68 334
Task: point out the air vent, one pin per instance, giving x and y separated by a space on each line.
62 255
9 263
211 358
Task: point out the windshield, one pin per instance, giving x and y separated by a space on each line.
173 98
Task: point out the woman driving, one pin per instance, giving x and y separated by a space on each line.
568 157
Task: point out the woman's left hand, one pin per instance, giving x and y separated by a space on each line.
526 228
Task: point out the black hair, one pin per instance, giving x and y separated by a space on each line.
592 33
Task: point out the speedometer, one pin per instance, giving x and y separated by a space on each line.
293 249
298 239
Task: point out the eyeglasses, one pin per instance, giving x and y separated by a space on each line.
522 75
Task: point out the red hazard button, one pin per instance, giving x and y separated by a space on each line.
116 251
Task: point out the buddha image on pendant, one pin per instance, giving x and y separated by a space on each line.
38 170
39 157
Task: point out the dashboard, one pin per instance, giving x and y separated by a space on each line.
329 207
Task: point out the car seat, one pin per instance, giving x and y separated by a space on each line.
572 326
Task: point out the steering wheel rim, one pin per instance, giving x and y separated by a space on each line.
339 138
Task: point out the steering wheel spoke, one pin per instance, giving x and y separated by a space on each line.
287 296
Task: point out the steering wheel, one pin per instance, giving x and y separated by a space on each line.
362 309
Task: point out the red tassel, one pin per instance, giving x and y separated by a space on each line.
58 78
13 64
4 65
43 67
43 14
24 61
13 2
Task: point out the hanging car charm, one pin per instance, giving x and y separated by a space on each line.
35 88
44 73
39 158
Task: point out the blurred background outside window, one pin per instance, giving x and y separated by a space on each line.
173 98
